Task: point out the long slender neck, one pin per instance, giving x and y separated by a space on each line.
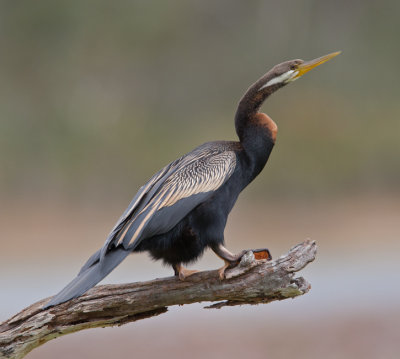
256 131
251 102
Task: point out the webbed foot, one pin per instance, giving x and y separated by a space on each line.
231 260
183 272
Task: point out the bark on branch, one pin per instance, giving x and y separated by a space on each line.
251 282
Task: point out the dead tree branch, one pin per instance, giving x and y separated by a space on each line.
251 282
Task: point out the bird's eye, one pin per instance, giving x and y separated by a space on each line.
293 67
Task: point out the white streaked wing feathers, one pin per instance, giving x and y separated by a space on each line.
201 175
203 170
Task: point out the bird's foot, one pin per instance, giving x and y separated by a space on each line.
183 272
259 254
233 261
221 271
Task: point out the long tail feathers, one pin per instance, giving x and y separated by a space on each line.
91 274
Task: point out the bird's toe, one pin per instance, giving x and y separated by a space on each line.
183 273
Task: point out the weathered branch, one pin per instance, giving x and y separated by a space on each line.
251 282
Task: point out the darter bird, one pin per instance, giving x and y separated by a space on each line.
183 209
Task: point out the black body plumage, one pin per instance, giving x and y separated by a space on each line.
183 209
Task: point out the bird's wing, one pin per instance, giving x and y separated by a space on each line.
171 194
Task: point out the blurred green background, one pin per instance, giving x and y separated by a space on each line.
96 96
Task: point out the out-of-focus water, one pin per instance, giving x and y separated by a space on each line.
351 311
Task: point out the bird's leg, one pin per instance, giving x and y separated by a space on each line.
231 260
183 272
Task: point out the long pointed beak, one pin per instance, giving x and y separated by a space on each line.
309 65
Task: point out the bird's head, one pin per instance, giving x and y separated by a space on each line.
279 76
289 71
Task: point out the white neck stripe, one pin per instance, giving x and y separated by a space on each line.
279 79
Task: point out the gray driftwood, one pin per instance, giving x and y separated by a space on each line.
251 282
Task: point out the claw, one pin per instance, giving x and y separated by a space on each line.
183 272
259 254
221 271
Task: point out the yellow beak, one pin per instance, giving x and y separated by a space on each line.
309 65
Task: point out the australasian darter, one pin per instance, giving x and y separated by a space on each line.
183 209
